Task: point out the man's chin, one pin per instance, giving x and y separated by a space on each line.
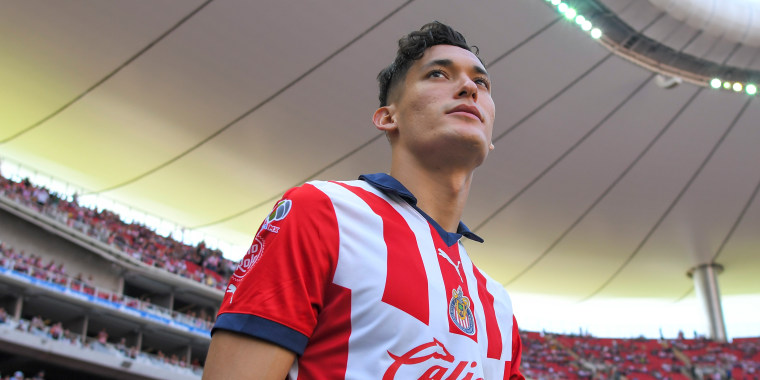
462 151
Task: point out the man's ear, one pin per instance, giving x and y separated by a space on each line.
385 119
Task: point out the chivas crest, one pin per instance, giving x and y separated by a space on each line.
460 311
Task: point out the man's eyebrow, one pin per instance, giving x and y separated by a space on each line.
449 63
439 62
480 70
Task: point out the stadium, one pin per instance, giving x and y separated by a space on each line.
142 144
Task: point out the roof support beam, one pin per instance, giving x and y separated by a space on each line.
705 278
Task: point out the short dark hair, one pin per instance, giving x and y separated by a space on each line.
411 48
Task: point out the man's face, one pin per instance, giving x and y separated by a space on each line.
444 109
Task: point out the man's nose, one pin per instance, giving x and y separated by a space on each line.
468 89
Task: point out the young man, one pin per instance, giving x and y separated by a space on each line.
362 279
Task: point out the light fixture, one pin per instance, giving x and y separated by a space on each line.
579 19
667 81
565 8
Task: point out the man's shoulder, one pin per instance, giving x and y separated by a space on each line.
320 193
318 189
354 197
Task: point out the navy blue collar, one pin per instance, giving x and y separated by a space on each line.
391 186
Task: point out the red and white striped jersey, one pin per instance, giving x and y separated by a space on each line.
361 284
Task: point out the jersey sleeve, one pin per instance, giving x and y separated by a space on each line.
277 289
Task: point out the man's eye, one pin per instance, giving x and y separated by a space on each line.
483 82
436 74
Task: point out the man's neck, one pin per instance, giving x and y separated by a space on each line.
442 193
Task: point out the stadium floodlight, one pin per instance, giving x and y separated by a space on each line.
586 26
570 13
737 87
580 20
562 8
751 89
715 83
596 33
556 2
726 85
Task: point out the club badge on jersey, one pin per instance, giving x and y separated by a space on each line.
460 311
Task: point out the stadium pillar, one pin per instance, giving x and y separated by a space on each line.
120 285
85 323
165 300
189 355
705 278
17 308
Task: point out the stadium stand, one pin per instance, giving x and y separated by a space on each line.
75 306
556 356
141 306
135 240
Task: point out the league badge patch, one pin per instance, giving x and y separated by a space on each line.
280 211
460 312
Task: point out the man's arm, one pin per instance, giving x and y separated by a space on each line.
278 290
237 356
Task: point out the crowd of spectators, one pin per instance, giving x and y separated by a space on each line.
34 266
99 342
555 356
632 358
19 375
543 358
199 262
739 359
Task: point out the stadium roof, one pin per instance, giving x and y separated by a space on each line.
603 183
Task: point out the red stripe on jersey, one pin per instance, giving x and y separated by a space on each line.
326 357
512 368
406 284
492 325
452 272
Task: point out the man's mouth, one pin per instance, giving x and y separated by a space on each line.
466 109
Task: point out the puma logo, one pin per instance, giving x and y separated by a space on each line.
231 289
445 255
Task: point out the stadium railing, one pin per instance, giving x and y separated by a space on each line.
24 337
64 284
